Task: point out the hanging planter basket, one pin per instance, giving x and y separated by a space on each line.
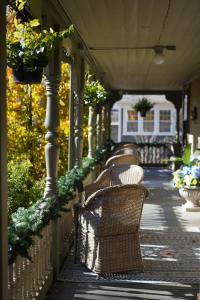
143 113
22 76
143 106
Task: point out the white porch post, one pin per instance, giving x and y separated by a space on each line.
79 113
109 122
99 127
91 132
53 74
3 158
103 132
71 116
106 122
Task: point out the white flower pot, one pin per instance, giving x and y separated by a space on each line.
192 197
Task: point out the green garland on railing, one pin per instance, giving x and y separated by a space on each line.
27 222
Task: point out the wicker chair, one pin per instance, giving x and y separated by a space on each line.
125 145
126 150
115 175
122 159
109 229
121 146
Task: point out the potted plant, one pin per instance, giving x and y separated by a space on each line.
94 94
143 106
187 181
29 50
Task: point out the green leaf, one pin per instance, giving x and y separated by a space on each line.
187 155
21 4
34 23
176 159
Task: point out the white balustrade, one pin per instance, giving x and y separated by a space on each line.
30 280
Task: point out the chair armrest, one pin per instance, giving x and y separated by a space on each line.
91 188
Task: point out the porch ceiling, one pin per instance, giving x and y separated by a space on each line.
140 23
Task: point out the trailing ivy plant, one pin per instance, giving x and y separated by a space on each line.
27 222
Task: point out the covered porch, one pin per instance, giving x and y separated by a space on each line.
120 42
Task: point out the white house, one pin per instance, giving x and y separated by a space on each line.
159 125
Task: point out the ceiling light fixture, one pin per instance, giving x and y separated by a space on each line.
159 57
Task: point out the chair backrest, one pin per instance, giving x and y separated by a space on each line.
125 145
129 145
102 181
115 175
127 150
122 159
120 206
125 174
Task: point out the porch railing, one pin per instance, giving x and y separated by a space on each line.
30 280
154 154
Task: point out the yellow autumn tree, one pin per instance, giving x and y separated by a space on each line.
26 109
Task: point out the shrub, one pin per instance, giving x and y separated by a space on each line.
23 190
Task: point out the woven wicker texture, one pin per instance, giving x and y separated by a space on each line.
122 159
126 150
115 175
125 145
109 229
121 146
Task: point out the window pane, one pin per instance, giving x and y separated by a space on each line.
132 115
132 126
149 116
165 121
165 115
165 126
148 122
114 115
148 126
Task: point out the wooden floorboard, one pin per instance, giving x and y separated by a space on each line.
118 291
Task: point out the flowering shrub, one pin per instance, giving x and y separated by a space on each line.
187 176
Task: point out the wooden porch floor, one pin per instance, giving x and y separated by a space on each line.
161 212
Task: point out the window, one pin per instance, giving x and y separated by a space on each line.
148 122
132 123
165 121
114 116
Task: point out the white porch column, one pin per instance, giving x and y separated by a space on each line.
52 121
71 116
91 132
109 122
99 127
79 114
103 132
106 122
3 159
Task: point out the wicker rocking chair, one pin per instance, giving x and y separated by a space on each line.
115 175
109 229
122 159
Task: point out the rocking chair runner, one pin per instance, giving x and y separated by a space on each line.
109 229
